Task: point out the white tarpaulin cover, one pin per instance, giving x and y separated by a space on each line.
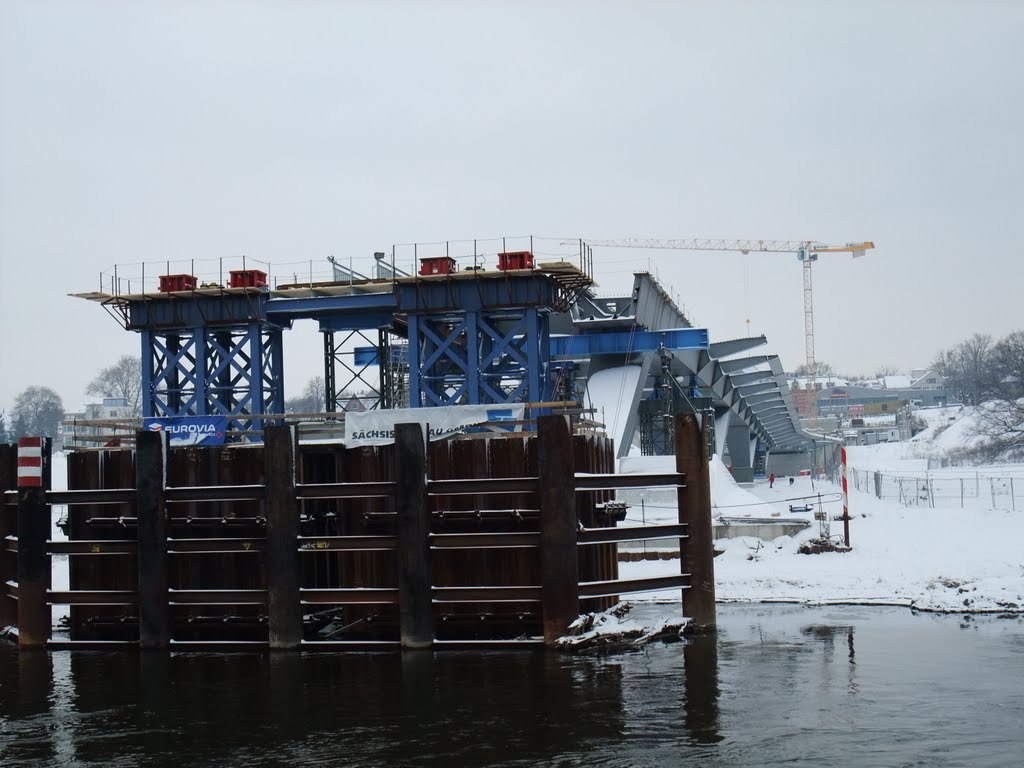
378 427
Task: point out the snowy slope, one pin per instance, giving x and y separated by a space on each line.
610 392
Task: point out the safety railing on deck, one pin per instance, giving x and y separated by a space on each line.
403 260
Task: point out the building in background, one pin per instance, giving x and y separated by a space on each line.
89 427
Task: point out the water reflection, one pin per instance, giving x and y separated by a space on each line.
700 662
775 686
391 709
826 635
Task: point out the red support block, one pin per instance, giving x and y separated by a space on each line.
247 278
438 265
515 260
172 283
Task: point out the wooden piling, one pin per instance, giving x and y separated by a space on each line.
151 511
33 558
282 510
559 570
696 552
415 578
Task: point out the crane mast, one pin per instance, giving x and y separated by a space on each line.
812 365
807 252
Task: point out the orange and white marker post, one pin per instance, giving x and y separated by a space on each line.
846 509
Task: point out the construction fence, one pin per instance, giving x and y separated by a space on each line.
961 490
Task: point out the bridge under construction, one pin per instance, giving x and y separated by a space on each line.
434 325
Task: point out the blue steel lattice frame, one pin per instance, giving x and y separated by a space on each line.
478 357
236 372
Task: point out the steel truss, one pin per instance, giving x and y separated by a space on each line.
478 357
385 392
236 372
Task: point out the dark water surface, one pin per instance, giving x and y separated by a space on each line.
779 685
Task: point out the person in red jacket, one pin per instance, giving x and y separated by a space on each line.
771 480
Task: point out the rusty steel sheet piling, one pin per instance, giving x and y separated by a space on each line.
696 552
8 528
484 539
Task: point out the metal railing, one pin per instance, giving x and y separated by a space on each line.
133 279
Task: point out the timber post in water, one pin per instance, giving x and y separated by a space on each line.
415 577
151 513
284 609
558 549
697 556
33 533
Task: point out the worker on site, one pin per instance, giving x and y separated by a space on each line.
771 480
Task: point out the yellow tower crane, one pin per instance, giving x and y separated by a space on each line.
806 251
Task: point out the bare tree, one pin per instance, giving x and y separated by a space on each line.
968 369
821 369
38 412
886 370
122 379
313 399
1002 418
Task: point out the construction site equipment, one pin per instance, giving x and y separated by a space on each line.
806 252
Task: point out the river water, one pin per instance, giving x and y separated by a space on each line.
778 685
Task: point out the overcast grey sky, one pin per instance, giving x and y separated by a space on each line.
145 131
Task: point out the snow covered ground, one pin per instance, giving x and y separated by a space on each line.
958 560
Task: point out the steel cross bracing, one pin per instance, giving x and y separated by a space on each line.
335 354
478 357
233 372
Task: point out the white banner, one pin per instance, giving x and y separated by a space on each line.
378 427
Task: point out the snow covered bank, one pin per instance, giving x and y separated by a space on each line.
932 559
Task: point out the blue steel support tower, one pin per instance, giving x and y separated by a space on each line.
210 353
480 337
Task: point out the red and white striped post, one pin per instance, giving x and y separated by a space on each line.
33 531
30 462
846 509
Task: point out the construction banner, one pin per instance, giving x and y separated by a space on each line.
189 430
378 427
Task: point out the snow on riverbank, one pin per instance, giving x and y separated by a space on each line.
932 559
